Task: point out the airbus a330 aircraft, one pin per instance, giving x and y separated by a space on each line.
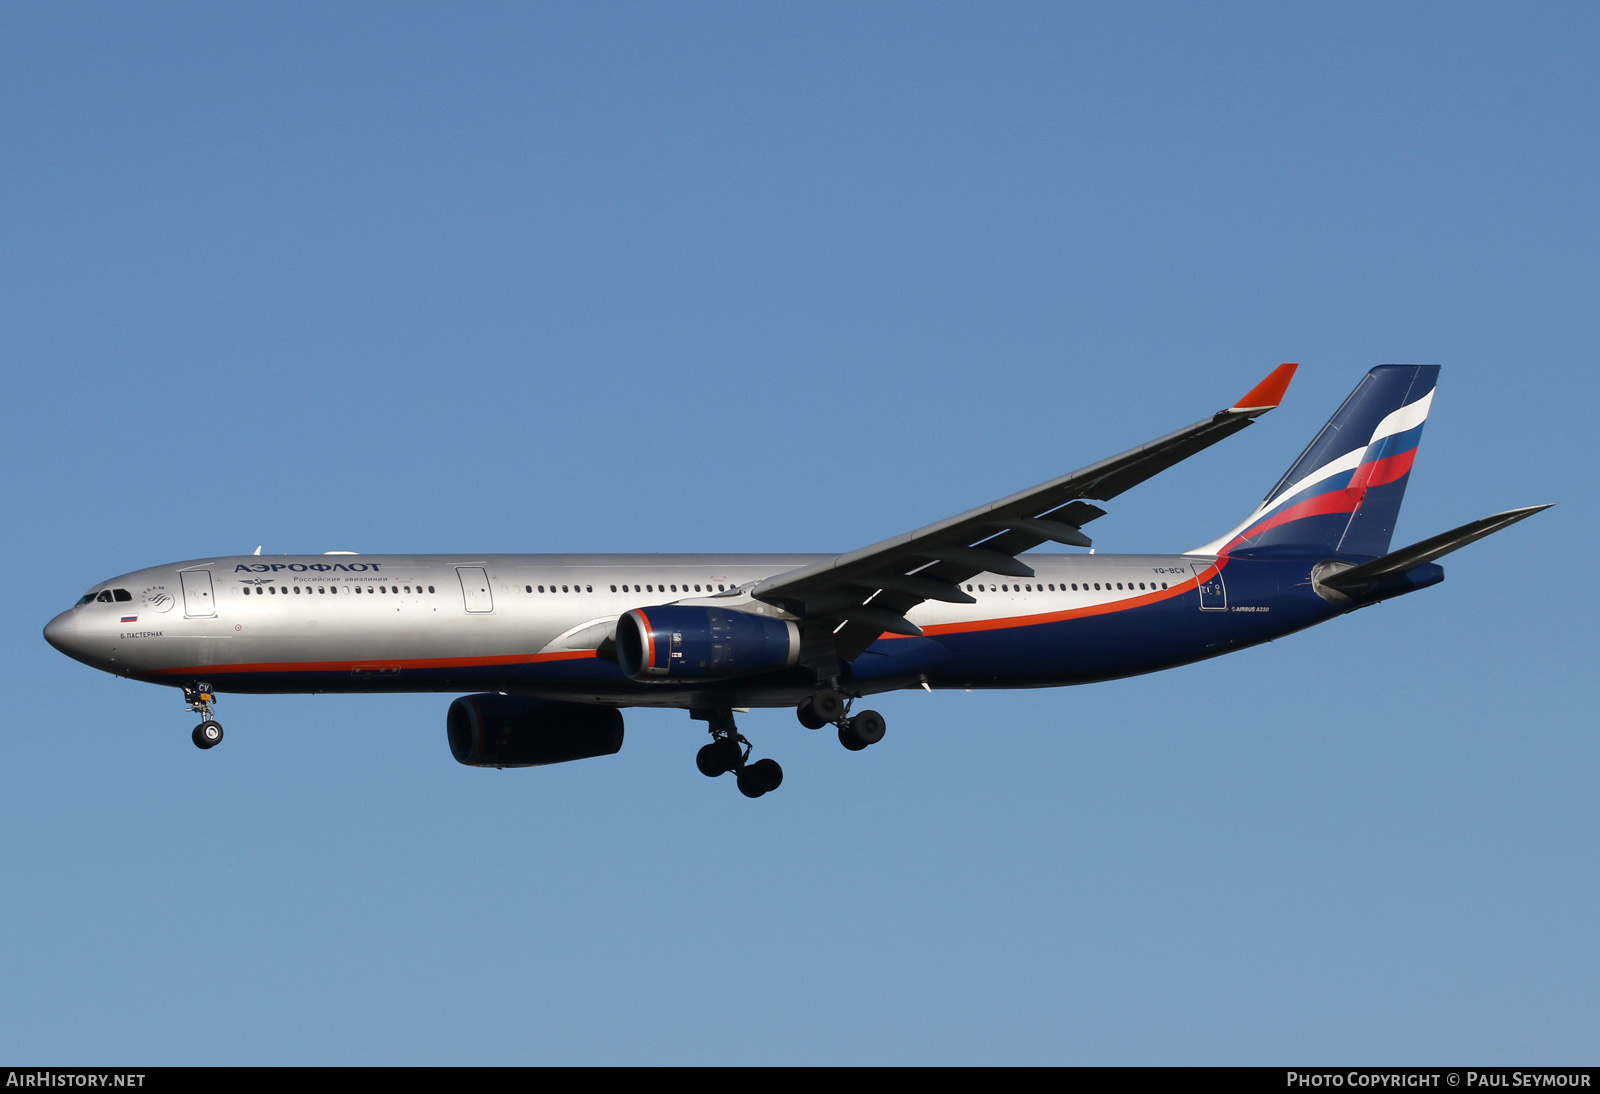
555 645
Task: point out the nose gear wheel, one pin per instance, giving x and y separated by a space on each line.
208 734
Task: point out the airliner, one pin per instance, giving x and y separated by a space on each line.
553 647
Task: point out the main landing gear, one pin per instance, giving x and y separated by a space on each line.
828 707
208 734
729 751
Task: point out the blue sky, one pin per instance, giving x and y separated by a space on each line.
761 278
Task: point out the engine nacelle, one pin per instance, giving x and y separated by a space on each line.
493 730
683 642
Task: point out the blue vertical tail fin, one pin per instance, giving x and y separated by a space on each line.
1343 494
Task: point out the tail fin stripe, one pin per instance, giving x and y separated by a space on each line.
1407 418
1342 493
1325 482
1402 429
1330 478
1381 472
1331 503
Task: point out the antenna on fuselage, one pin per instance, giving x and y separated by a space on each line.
258 549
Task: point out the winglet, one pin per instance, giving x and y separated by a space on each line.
1267 394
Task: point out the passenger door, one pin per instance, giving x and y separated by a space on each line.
475 591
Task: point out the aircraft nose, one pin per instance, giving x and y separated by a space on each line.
62 633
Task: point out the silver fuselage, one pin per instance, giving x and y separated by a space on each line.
345 622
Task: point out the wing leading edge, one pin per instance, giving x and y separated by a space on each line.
844 604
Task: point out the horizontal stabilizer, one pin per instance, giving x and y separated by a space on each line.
1408 558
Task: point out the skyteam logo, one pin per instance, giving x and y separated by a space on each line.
157 599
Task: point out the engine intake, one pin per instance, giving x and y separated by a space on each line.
493 730
682 642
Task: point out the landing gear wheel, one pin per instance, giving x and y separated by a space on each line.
866 728
760 778
718 758
828 705
207 734
807 713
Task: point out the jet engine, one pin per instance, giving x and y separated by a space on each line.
494 730
683 642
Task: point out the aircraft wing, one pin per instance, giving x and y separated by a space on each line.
864 593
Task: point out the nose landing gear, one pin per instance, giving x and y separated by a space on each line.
208 734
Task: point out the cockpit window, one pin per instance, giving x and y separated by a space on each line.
84 599
122 595
104 597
